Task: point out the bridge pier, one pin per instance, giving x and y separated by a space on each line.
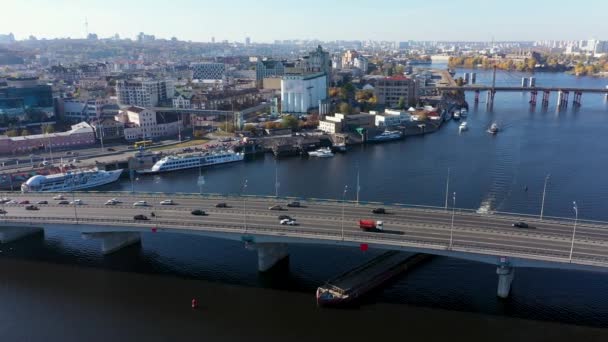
477 96
577 98
533 95
545 100
10 234
490 98
113 241
270 254
505 278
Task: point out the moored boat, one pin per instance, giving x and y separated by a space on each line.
70 180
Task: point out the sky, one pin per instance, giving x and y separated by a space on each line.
267 20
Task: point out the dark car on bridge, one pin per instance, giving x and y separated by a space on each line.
31 207
141 217
276 207
221 205
42 202
521 225
198 212
24 202
2 211
379 211
63 202
294 204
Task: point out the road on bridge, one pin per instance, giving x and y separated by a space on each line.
544 239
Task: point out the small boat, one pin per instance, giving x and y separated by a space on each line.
463 113
493 129
456 115
324 152
340 147
386 136
463 126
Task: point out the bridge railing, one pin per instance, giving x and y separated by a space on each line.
310 233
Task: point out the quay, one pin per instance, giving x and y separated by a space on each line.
350 286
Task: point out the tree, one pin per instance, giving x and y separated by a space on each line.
272 125
34 115
250 128
227 127
198 134
347 91
401 103
25 132
345 108
290 121
333 92
460 81
48 129
399 69
13 132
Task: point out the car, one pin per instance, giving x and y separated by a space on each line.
520 224
286 217
77 202
294 204
4 200
68 153
379 211
221 205
275 207
111 149
42 202
63 202
116 200
198 212
111 202
2 212
167 202
141 217
288 222
24 202
12 202
31 207
140 204
59 197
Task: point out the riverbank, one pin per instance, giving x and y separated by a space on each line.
56 302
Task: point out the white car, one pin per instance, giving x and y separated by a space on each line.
167 202
77 202
115 200
12 202
59 197
140 204
111 202
288 222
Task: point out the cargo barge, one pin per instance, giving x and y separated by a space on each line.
348 287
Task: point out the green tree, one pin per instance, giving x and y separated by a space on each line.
25 132
48 129
347 91
290 121
250 128
13 132
34 115
460 81
227 127
345 108
399 69
401 103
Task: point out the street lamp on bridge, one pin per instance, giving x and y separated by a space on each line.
452 225
244 206
447 189
542 205
575 207
343 204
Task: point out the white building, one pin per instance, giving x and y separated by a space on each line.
361 63
144 93
145 124
75 110
299 93
391 118
208 71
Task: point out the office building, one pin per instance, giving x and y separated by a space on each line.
19 94
208 71
299 93
144 93
389 90
141 123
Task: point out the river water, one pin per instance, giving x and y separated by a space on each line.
486 171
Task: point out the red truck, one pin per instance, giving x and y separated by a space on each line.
370 225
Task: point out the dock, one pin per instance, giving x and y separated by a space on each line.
351 285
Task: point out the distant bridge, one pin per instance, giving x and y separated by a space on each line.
460 233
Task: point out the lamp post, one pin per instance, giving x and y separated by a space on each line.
276 180
574 229
244 206
74 198
542 204
452 225
447 189
343 204
358 184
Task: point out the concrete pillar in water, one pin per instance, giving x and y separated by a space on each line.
505 278
269 254
114 241
10 234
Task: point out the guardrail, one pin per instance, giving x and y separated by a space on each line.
304 233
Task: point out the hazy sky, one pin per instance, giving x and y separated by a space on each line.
266 20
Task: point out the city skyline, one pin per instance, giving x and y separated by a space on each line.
269 20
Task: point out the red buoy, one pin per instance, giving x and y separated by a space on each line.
194 303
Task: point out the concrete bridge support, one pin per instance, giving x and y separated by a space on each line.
10 234
533 95
577 98
505 278
112 242
562 98
269 254
476 96
545 100
490 98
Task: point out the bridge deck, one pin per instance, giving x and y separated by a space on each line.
520 89
426 228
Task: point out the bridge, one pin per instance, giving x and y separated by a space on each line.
562 93
454 232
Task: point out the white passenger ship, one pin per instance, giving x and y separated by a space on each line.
192 160
70 180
